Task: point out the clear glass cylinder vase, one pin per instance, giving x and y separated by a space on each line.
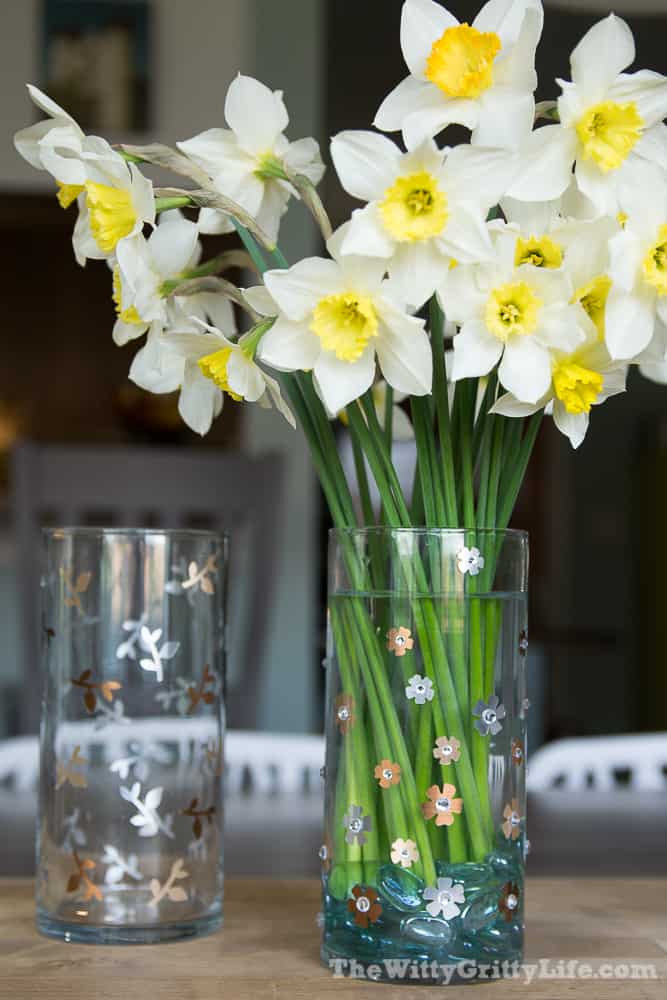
130 818
426 704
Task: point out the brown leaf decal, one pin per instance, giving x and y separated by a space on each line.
108 688
73 883
89 700
197 828
82 582
201 694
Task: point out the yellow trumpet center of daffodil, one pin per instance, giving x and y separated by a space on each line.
461 61
127 315
539 251
593 297
608 132
68 193
512 310
414 208
576 387
345 323
111 213
655 263
214 366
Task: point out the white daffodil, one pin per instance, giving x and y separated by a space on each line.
247 161
141 268
55 145
515 315
480 75
207 366
637 301
334 318
426 207
579 380
610 124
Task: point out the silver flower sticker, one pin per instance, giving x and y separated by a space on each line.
357 825
119 867
489 714
147 818
419 689
445 899
469 561
110 715
74 835
149 640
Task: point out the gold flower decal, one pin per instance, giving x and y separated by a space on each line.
197 814
447 749
81 879
198 694
442 805
75 588
72 771
201 577
387 773
399 640
404 853
512 824
517 753
105 688
365 906
509 900
344 708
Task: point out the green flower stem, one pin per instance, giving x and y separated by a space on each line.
167 203
251 246
441 395
518 471
389 417
479 743
423 426
467 419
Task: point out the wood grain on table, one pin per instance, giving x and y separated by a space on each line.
269 948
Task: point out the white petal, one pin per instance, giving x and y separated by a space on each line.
476 351
404 353
340 382
505 18
461 297
546 159
212 307
479 175
172 245
278 401
256 114
214 223
366 163
525 369
405 98
604 52
289 347
573 425
200 400
629 323
646 89
259 298
509 406
123 332
466 238
436 112
210 148
416 270
303 157
423 22
597 186
154 368
366 235
653 145
44 103
505 118
272 208
298 289
625 257
192 346
245 377
26 142
401 427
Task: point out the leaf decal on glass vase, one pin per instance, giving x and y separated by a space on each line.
149 642
174 893
147 818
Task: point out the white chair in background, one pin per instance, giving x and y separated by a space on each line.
637 761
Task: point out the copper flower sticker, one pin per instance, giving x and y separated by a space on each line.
399 640
204 692
72 771
197 814
387 773
447 749
365 906
442 805
344 708
444 899
517 753
404 853
357 825
523 642
75 588
512 824
490 713
174 893
105 688
509 900
419 689
81 879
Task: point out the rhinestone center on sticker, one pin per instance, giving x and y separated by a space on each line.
355 825
489 716
444 897
387 774
323 853
343 713
363 904
515 819
442 804
511 902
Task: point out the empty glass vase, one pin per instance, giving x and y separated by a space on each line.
130 825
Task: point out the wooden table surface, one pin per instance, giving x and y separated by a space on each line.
269 948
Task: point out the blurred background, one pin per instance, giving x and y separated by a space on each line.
145 70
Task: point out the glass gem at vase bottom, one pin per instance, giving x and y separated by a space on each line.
438 849
130 811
